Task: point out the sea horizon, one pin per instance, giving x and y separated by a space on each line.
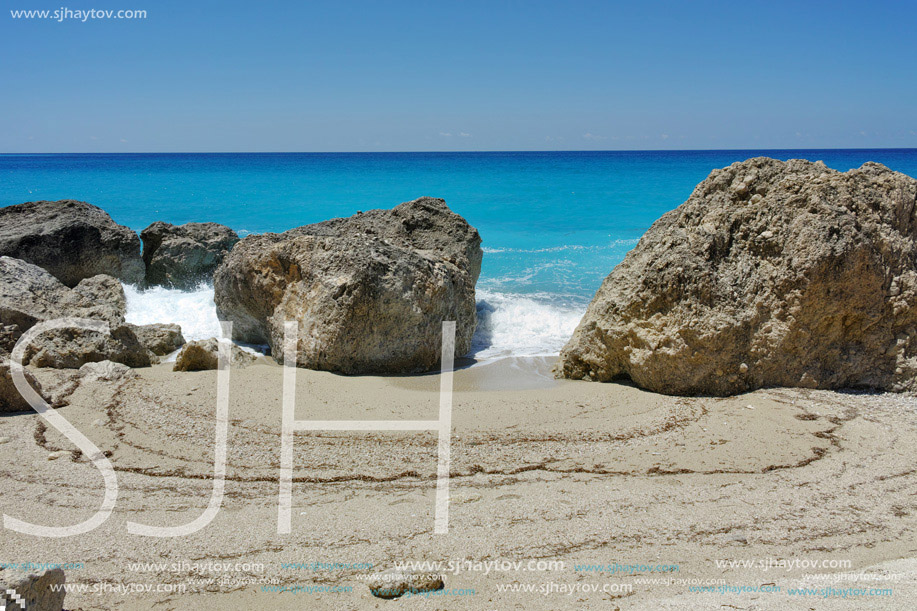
467 151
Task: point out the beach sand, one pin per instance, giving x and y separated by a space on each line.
542 469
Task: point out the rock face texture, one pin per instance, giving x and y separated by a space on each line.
184 256
29 295
204 354
369 292
10 398
73 348
771 274
160 339
72 240
34 590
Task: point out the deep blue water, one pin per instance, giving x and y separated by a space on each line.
554 224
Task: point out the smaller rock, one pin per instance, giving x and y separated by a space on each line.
10 399
9 335
102 297
5 440
106 371
71 348
204 354
35 590
160 339
394 583
58 454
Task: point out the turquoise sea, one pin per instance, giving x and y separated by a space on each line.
554 224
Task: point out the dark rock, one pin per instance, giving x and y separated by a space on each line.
184 256
72 240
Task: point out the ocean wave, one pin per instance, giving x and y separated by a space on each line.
193 310
565 247
523 325
509 325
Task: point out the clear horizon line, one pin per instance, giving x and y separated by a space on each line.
701 150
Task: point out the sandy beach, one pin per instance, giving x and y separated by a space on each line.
447 306
563 473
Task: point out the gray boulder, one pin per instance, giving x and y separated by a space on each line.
160 339
72 240
204 354
369 292
34 590
29 295
71 348
184 256
771 274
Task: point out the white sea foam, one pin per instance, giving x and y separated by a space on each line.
614 244
523 325
193 310
508 325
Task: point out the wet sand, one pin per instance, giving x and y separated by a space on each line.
566 472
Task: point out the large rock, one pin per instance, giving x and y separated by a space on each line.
204 354
771 274
369 292
184 256
72 240
71 348
34 589
29 295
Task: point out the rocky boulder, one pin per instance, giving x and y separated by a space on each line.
29 295
184 256
72 240
71 348
771 274
369 292
160 339
10 398
204 354
33 592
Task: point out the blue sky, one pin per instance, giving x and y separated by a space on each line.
463 75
